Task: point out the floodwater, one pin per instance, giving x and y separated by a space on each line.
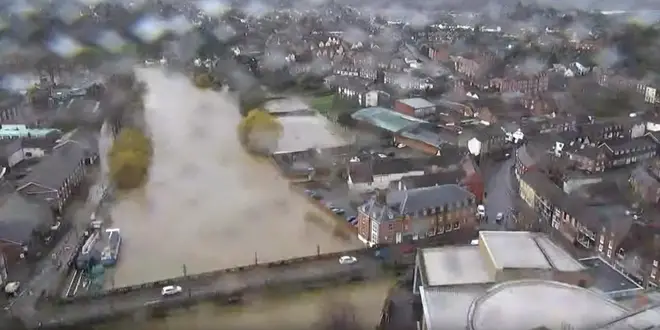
207 204
301 311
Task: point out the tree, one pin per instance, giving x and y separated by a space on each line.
122 100
203 81
259 131
130 158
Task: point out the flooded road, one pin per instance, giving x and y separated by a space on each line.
207 204
301 311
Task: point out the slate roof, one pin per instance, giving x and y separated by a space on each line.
433 179
366 170
415 200
87 140
21 216
55 168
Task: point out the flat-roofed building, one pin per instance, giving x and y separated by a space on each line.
498 257
513 280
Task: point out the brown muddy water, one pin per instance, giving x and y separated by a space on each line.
301 311
207 204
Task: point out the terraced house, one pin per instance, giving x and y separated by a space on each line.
407 215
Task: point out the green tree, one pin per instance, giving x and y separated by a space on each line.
130 158
259 131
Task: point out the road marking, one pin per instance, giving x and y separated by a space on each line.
153 302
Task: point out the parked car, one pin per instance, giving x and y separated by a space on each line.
171 290
347 260
338 211
481 211
499 217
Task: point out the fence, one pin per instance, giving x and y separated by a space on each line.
209 275
226 297
386 311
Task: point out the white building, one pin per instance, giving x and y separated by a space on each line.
513 280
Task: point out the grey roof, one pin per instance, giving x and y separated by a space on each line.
55 168
21 216
414 200
417 103
87 140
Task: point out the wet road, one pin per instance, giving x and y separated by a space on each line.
207 204
499 194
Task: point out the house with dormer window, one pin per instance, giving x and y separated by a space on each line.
409 215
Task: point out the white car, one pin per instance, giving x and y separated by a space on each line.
347 260
171 290
499 217
481 211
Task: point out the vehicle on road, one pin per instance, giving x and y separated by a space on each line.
481 211
499 217
12 288
352 220
347 260
338 211
171 290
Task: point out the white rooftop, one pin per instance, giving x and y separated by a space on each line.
646 318
306 132
454 265
526 250
529 304
417 103
285 105
447 308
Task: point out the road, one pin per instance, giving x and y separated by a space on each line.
50 270
500 193
226 282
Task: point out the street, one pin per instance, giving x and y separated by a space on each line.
499 194
50 269
227 282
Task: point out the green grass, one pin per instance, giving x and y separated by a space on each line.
323 104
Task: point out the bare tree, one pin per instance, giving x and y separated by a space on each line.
339 315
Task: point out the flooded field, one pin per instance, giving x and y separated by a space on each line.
304 311
207 204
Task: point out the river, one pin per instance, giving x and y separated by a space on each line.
207 204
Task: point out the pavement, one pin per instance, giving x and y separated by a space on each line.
500 194
402 314
226 282
50 270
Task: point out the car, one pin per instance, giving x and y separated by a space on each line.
481 211
338 211
351 218
347 260
171 290
499 217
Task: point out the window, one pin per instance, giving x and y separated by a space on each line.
448 227
655 263
555 224
654 272
609 245
600 247
609 253
602 239
390 226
